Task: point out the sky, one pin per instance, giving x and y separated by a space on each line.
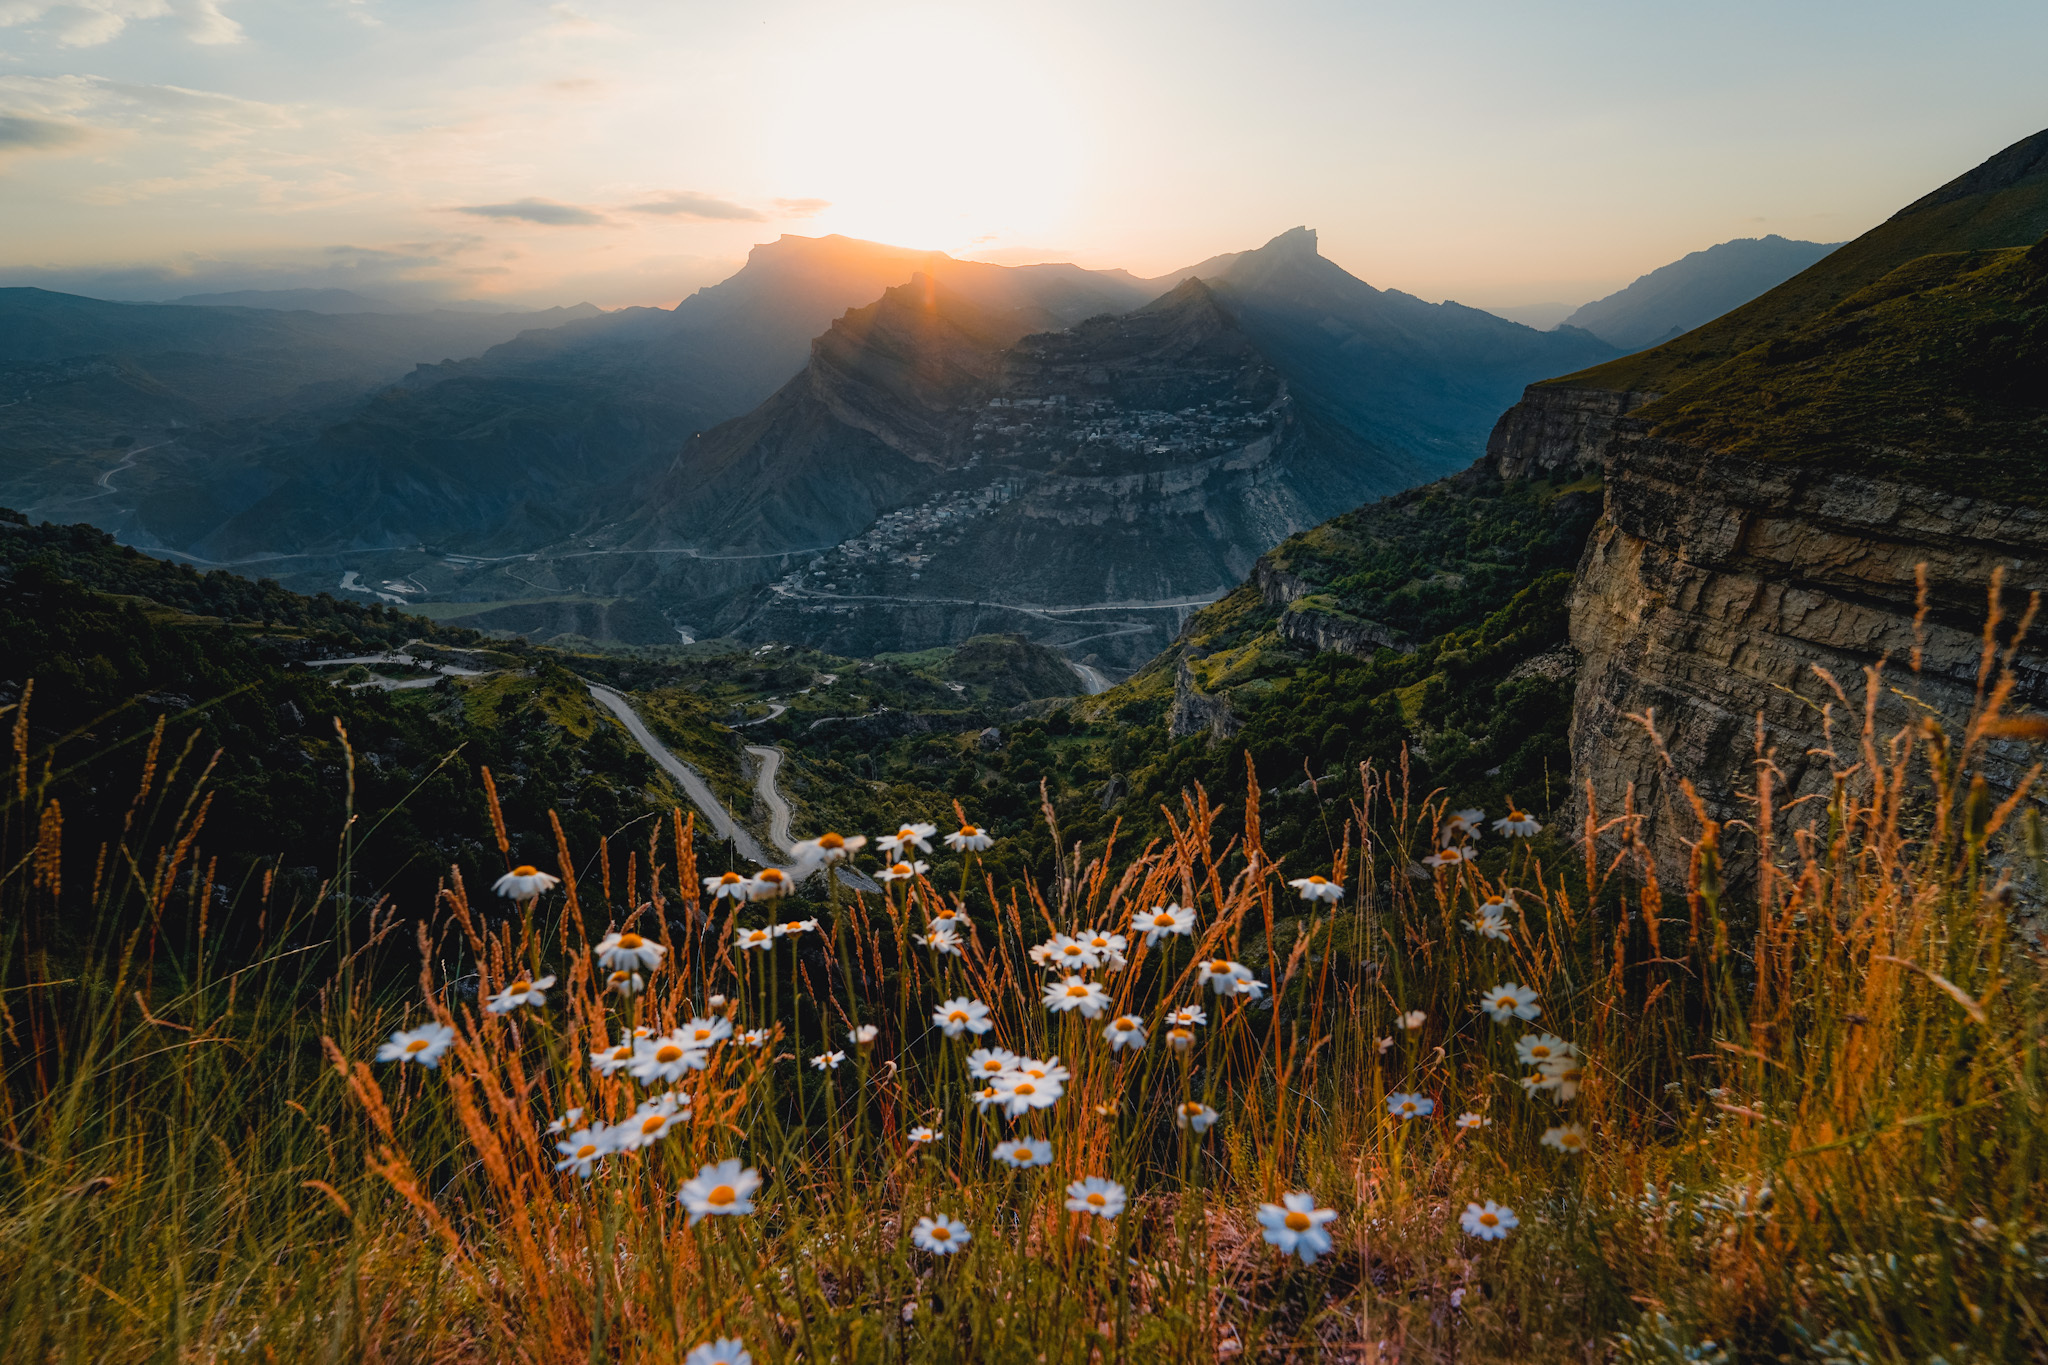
1503 154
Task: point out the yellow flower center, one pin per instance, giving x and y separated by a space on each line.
831 841
1539 1051
993 1067
1191 1109
1219 966
1297 1222
702 1034
721 1196
957 1017
901 869
1023 1154
1506 1002
1180 1035
416 1045
771 876
630 940
1072 950
1163 921
586 1151
731 879
1516 816
1095 1198
1077 990
1318 881
1450 855
969 830
1489 1220
1126 1024
946 914
521 987
1027 1088
795 926
652 1123
942 1234
668 1052
621 1053
525 870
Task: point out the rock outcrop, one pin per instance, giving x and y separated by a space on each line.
1317 626
1195 711
1555 429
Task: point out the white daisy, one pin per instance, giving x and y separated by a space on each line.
1024 1153
1065 953
1463 824
1196 1115
1406 1106
941 939
604 1063
1534 1049
524 882
631 951
755 1037
1103 1198
1518 824
970 839
566 1121
1448 857
1108 948
1180 1038
726 886
1163 920
652 1122
705 1033
1250 987
625 982
1509 1002
724 1351
1222 975
962 1015
922 1136
827 1061
583 1149
1020 1093
941 1236
864 1036
986 1097
721 1189
906 838
1489 1222
752 940
1497 904
424 1045
1468 1119
1318 889
1385 1045
1125 1031
953 916
1563 1075
828 848
1076 993
902 872
990 1062
790 928
770 883
1048 1070
1187 1015
666 1058
524 991
1488 926
1297 1226
1570 1137
1412 1020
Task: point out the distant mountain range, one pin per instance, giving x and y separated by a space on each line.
1673 299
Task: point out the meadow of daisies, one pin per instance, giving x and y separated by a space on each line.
1454 1086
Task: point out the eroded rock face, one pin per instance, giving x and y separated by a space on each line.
1554 429
1715 587
1195 712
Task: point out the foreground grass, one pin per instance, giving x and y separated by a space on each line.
1812 1112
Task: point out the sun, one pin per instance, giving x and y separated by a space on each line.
929 129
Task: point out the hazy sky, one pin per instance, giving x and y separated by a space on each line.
626 151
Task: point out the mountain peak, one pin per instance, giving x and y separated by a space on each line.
2025 160
1296 241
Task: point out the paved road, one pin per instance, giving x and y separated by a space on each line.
1091 678
700 793
764 784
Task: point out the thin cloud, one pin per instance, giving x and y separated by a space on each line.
22 134
89 23
689 204
802 208
543 211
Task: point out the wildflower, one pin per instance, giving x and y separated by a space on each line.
986 1096
1412 1020
1563 1075
1125 1032
724 1351
630 950
1250 986
791 928
991 1061
1518 824
970 839
1021 1093
1222 975
827 1061
1180 1039
665 1059
952 916
727 886
517 993
1406 1106
961 1014
1296 1226
1385 1045
942 939
1065 953
651 1122
1489 1222
1534 1082
612 1058
922 1136
1196 1115
1510 1002
1457 1300
1103 1198
563 1122
1048 1070
1024 1153
1570 1137
941 1236
625 982
864 1036
902 872
524 882
705 1033
1108 948
1105 1109
1188 1015
1468 1119
1318 889
723 1188
907 837
1462 824
754 1037
1534 1049
1487 926
1164 920
756 938
1447 857
1497 905
770 883
827 848
583 1149
1076 993
716 1002
424 1045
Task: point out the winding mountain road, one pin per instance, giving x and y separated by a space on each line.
764 784
692 781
